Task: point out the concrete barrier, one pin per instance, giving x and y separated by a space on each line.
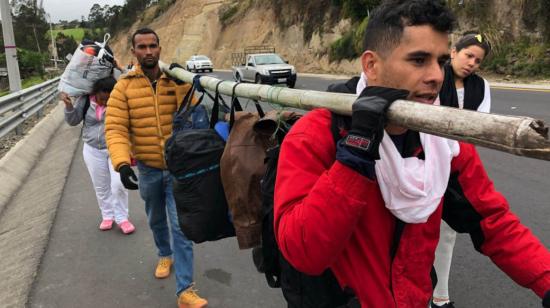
19 161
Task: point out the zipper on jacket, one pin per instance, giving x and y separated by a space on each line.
159 128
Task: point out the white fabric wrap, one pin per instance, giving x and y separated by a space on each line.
412 188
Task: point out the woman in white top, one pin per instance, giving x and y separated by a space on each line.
462 88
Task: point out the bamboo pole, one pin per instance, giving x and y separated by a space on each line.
522 136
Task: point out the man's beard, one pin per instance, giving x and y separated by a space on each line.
148 64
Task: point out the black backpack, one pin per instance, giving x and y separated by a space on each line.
193 155
300 290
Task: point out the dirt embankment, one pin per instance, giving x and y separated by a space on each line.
193 27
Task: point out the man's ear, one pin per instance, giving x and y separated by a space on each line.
133 51
370 64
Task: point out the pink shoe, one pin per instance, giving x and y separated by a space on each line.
106 224
127 227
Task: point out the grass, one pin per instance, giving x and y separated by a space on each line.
76 33
26 83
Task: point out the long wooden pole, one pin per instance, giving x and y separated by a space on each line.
521 136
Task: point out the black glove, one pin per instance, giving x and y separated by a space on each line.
172 65
546 300
128 177
369 119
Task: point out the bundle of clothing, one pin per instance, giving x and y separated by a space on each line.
90 62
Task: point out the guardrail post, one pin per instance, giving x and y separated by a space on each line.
19 130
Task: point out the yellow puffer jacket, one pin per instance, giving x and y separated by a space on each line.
139 121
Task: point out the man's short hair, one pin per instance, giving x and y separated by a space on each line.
387 22
144 31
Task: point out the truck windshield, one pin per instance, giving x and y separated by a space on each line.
268 59
201 58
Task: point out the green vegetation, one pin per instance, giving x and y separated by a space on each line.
26 83
523 58
76 33
65 45
227 12
31 81
31 63
163 6
350 45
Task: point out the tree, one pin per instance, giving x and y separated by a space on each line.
30 25
96 18
65 45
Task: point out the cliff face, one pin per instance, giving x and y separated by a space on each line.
195 27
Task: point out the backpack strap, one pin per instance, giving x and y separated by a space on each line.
235 106
85 110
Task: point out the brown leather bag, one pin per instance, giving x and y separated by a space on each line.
242 167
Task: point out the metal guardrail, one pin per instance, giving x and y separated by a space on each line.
17 107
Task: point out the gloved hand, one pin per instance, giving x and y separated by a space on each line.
369 119
546 300
172 65
128 177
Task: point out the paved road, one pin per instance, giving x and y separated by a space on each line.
84 267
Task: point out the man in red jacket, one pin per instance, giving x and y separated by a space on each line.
370 206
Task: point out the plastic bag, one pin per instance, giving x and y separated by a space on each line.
90 62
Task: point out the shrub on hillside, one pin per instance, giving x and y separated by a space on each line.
350 45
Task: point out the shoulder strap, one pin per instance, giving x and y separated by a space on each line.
85 109
86 105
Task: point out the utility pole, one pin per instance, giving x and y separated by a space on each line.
9 46
54 48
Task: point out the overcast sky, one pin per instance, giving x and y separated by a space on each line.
73 9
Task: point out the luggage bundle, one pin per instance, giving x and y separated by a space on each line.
214 176
193 154
90 62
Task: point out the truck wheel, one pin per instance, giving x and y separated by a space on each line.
238 78
291 84
258 79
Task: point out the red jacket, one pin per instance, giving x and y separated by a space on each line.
329 216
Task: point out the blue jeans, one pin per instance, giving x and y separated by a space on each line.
155 188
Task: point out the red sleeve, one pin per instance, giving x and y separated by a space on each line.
317 201
509 244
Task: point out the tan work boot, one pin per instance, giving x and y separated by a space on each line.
163 267
190 299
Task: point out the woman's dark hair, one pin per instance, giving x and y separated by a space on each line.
388 20
471 39
104 85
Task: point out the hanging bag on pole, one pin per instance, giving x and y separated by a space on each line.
193 155
242 167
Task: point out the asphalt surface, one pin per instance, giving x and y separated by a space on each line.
84 267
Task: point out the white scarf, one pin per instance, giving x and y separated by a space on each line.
412 188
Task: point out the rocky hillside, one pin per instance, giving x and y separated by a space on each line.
195 27
310 34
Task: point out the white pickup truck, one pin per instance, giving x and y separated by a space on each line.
199 63
260 64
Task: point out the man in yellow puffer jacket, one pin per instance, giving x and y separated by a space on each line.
139 121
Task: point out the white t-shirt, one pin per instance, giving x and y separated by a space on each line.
485 105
